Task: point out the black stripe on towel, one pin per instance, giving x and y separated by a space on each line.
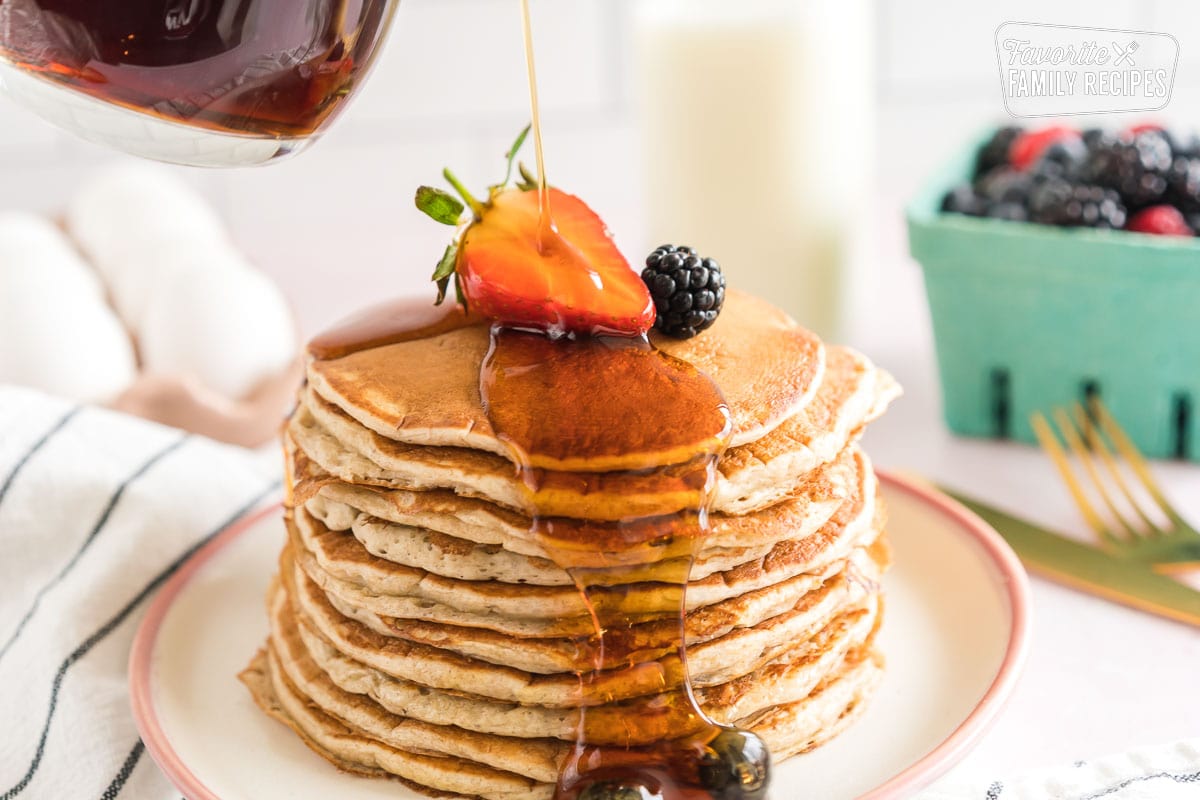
122 777
58 426
100 523
108 627
1177 777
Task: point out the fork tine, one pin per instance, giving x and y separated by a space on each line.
1096 439
1049 442
1136 462
1067 428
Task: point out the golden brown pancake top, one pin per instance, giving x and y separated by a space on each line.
427 391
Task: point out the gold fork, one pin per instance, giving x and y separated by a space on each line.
1170 545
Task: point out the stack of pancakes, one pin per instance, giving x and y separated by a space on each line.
419 630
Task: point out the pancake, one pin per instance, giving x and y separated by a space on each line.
789 679
426 392
339 505
787 729
538 672
351 751
853 393
341 566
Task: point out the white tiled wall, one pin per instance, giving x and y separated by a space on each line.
336 227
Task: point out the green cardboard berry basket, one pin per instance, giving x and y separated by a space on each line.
1027 317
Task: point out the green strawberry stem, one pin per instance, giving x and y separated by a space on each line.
512 153
476 207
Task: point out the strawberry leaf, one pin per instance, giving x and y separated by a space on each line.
512 153
440 205
458 293
445 270
528 181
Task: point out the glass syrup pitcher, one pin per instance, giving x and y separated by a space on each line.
201 82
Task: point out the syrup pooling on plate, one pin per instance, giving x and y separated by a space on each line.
618 401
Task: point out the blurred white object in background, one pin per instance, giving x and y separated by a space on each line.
57 333
127 208
158 261
230 329
757 126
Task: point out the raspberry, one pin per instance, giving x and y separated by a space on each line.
1160 221
688 290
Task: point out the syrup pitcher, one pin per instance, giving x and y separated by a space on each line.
217 83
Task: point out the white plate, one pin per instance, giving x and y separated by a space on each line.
955 634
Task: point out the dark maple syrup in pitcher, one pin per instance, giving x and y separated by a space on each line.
269 68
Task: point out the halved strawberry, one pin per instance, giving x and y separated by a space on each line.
569 279
566 277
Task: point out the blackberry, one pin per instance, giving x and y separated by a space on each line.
1094 136
1188 148
688 290
964 200
1183 184
1012 212
1063 159
1193 221
995 152
1004 185
1061 202
1136 167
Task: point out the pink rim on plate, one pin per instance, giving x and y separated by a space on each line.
920 774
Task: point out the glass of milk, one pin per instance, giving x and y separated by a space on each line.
757 121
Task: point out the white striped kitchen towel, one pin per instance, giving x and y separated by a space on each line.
1164 772
97 509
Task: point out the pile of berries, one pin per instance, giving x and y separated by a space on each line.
1142 179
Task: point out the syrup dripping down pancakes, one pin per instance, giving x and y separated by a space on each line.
427 621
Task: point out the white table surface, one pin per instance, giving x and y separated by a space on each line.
1101 678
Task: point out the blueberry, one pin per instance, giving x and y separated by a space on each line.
1013 212
735 766
1004 185
963 200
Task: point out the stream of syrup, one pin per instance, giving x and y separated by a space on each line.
545 220
591 399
